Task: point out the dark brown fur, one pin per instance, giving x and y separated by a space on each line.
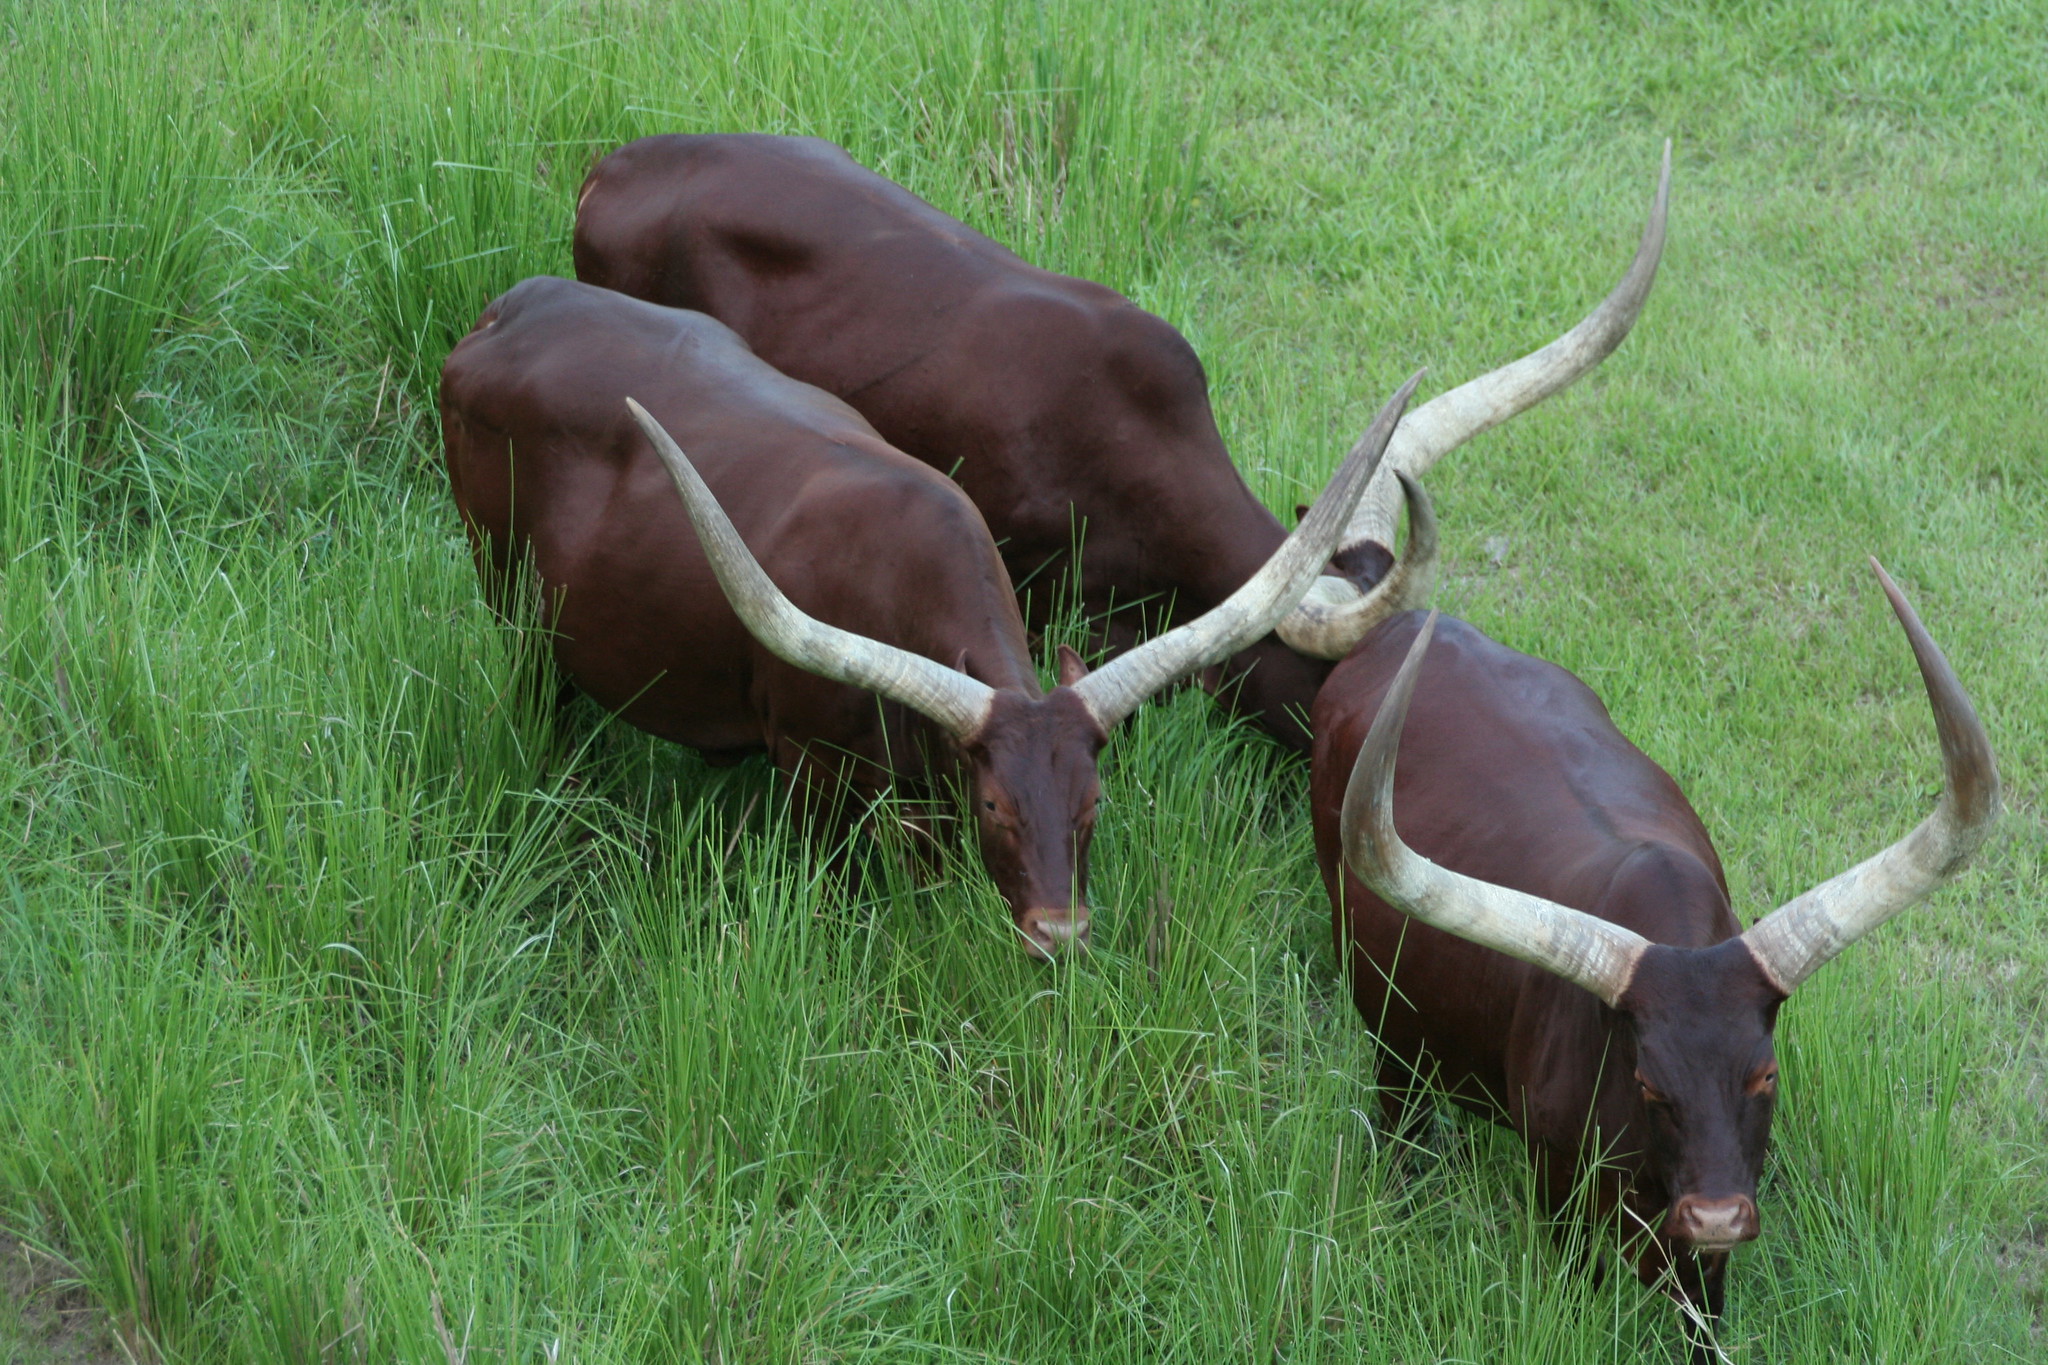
543 457
1510 771
1063 409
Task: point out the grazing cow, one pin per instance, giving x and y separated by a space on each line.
1559 945
1060 406
544 459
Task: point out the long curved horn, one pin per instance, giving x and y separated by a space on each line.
1450 419
1121 685
1579 947
1335 616
946 695
1795 940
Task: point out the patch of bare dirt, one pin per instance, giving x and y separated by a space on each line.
46 1319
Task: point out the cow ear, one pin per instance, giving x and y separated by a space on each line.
1300 510
1072 670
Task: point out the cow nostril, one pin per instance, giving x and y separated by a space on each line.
1051 932
1714 1224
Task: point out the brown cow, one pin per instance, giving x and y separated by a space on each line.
1060 406
1572 952
543 458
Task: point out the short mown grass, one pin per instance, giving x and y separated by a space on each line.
355 1015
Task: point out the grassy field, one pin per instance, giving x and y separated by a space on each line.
347 1021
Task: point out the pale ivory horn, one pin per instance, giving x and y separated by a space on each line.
1117 688
1795 940
1581 948
949 697
1336 614
1789 945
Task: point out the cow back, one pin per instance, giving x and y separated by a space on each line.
1510 771
1063 409
545 461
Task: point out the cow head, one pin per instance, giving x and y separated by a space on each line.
1694 1024
1699 1089
1029 759
1031 779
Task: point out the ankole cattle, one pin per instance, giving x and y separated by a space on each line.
893 587
1060 407
1533 915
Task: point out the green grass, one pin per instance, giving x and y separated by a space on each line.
343 1014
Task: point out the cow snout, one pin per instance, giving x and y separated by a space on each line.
1713 1224
1051 932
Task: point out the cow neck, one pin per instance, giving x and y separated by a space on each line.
1671 895
1242 535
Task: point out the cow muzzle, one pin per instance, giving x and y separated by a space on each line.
1710 1225
1050 932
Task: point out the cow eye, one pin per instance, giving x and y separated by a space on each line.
1765 1080
989 805
1651 1094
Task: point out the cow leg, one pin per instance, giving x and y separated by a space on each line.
1409 1110
1698 1285
850 812
1405 1112
540 686
538 695
1558 1178
926 826
544 690
823 806
1701 1288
